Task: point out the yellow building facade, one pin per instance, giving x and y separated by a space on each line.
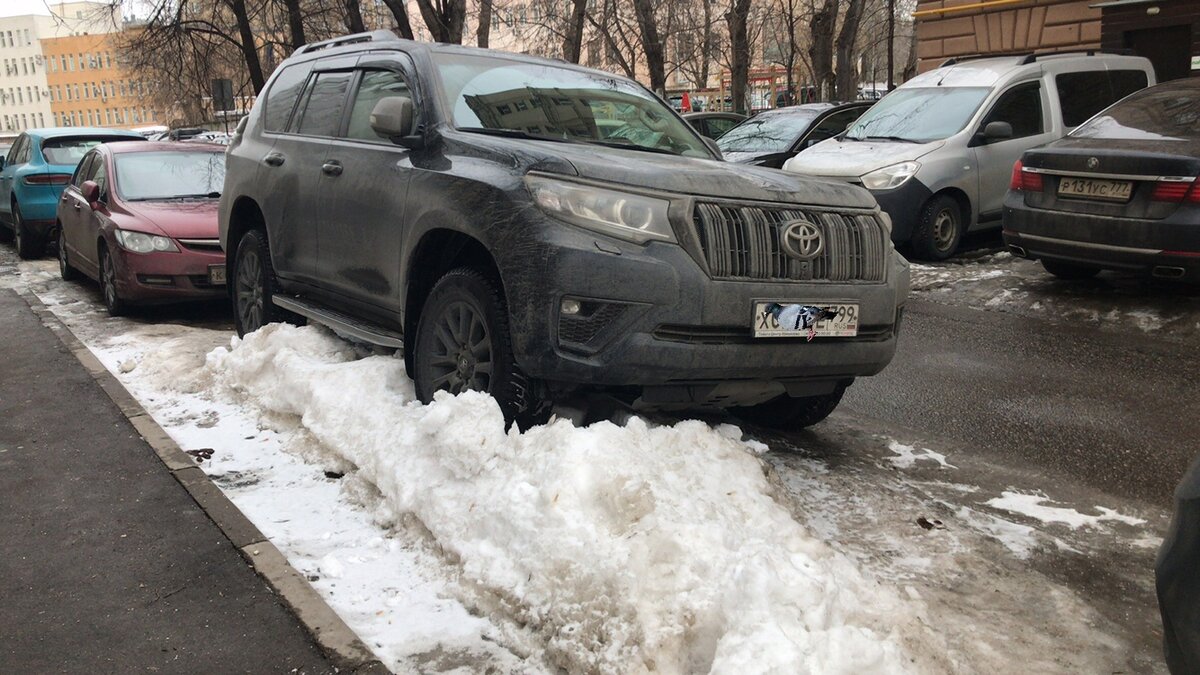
88 86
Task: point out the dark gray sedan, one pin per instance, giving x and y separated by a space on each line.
773 137
1120 192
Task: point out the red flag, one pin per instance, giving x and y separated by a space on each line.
686 104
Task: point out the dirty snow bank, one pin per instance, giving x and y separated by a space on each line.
630 549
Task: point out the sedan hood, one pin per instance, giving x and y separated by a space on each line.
851 159
709 178
183 219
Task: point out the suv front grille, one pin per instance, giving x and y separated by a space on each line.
742 242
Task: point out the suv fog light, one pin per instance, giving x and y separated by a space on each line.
570 306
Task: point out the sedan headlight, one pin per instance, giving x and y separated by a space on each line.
632 217
140 242
890 176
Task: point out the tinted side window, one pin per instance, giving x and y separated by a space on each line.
1085 94
1021 107
14 153
717 126
833 125
322 111
282 97
373 87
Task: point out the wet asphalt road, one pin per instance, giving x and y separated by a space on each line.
1116 411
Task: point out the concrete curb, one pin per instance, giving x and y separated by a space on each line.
331 634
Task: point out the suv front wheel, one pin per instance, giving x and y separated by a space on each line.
463 343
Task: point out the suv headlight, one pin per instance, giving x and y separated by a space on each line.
890 176
628 216
140 242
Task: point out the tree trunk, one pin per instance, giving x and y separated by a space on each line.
444 18
910 66
847 77
820 50
739 54
295 23
573 41
706 48
484 29
354 19
400 11
247 44
652 45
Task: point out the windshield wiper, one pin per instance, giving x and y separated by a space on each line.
630 145
514 133
899 139
164 198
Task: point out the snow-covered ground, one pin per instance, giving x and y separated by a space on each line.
999 281
451 545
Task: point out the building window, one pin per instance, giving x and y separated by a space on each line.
24 66
108 59
27 40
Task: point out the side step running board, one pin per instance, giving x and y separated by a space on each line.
342 324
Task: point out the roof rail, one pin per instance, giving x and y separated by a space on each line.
1087 52
973 57
373 36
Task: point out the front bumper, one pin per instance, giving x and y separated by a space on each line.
1167 248
903 205
150 278
657 320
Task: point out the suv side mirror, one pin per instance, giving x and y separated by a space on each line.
997 131
91 192
712 145
392 117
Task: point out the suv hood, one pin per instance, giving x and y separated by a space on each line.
851 159
708 178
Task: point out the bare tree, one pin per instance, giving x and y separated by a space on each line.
484 29
444 19
739 53
847 77
399 10
573 40
354 18
820 49
652 44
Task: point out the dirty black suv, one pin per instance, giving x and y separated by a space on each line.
535 229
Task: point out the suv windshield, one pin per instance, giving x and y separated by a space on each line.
143 176
773 132
487 94
1166 113
919 114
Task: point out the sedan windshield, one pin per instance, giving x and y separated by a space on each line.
768 132
143 176
484 94
919 115
1160 113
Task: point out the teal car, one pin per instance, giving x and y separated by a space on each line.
33 175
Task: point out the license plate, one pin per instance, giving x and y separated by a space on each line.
216 275
1088 188
845 324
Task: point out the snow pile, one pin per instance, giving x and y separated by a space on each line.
630 549
1033 507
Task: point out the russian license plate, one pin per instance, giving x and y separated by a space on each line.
845 324
1088 188
216 275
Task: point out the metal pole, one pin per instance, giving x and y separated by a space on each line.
892 44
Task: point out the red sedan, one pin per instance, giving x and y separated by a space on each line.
141 218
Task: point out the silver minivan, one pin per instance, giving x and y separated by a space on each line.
937 153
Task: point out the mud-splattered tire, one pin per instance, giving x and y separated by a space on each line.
792 414
108 285
254 286
65 270
463 342
939 229
29 245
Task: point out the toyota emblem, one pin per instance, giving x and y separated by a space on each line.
1093 163
802 240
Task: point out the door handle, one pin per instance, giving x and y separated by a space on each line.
77 206
332 168
273 159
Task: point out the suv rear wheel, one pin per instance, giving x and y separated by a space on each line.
463 343
254 285
29 245
939 229
792 414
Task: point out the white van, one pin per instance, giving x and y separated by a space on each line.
938 151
